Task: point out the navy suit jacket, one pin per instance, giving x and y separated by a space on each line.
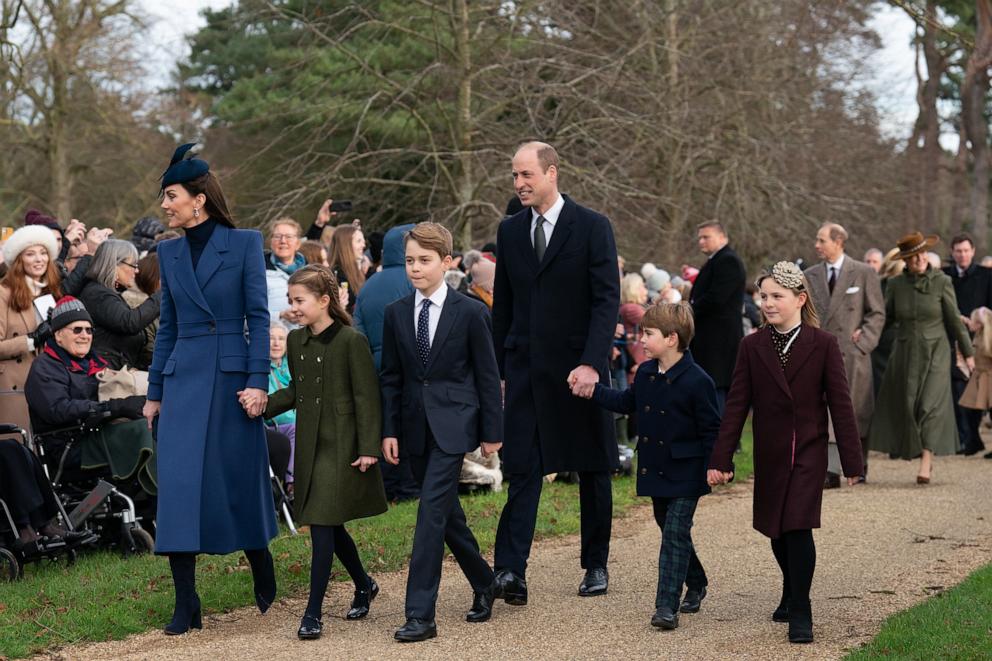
456 395
678 422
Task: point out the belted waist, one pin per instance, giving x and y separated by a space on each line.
211 327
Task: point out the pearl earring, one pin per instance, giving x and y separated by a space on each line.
196 212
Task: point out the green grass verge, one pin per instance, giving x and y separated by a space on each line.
955 624
104 597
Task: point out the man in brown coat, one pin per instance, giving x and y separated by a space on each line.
848 299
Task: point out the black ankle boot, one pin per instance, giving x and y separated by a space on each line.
800 622
781 613
363 600
263 573
187 614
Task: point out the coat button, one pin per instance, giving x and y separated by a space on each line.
301 356
301 399
427 383
318 359
318 379
644 471
661 412
661 473
661 442
299 378
317 400
647 409
651 378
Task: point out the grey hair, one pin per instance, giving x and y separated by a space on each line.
470 258
109 254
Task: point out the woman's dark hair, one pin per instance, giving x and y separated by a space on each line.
216 204
320 281
147 279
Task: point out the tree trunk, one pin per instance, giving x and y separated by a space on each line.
973 90
930 169
465 179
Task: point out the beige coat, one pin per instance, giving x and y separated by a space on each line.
15 359
857 303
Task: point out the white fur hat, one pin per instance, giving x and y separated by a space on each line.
27 236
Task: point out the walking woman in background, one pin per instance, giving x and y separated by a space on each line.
208 387
914 414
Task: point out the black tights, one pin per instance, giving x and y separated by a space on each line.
796 556
328 541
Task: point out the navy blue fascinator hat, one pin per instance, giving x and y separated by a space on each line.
184 166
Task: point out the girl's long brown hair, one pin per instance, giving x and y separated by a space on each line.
342 256
320 281
21 296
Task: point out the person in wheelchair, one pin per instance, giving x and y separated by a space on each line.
32 504
62 395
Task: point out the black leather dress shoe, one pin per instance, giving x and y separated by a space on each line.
596 582
665 618
987 455
416 630
511 588
482 605
310 628
692 601
781 613
362 601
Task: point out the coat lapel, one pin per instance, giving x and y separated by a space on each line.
563 227
407 334
801 349
844 279
183 270
520 234
768 355
449 313
212 256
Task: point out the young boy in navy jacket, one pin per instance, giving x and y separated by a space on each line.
678 421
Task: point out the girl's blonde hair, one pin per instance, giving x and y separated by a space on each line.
789 276
983 338
320 281
629 290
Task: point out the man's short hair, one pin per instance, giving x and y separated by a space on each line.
283 220
431 236
671 318
546 154
875 251
836 232
961 238
715 224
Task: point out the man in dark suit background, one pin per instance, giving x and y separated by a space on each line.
717 299
973 289
556 300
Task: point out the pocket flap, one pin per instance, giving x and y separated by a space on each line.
463 396
233 363
170 367
686 449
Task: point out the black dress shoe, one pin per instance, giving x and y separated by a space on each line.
832 481
692 601
781 613
596 582
987 455
416 630
310 628
973 450
362 601
511 588
482 605
800 623
665 618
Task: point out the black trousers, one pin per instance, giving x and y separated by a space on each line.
440 521
24 487
515 533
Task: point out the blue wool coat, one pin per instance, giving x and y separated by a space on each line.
678 421
213 340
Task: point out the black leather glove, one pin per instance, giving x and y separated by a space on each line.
127 407
41 334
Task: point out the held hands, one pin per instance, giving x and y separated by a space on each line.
391 450
715 477
364 462
489 449
253 401
582 380
150 410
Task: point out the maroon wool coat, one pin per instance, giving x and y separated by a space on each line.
790 426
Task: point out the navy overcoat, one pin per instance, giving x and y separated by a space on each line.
213 340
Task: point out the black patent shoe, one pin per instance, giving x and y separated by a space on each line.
416 630
596 582
362 601
310 628
665 618
800 623
185 618
693 600
482 605
511 588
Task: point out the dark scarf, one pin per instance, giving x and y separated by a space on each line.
782 344
90 363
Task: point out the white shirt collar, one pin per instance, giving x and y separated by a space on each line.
552 214
437 298
838 263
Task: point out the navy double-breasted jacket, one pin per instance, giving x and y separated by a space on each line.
677 420
213 340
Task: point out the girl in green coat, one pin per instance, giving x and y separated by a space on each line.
338 430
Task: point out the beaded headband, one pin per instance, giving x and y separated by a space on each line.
788 275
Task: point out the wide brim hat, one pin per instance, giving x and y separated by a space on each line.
27 236
915 243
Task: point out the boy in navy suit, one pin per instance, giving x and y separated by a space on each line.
678 421
441 398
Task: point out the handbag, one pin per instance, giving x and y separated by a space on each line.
125 382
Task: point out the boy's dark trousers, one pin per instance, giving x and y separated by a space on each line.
440 521
677 562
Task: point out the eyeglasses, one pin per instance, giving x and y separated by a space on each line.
284 237
134 266
76 330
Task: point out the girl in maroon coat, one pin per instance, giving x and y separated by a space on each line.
790 373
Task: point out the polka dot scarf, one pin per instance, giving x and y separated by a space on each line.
783 343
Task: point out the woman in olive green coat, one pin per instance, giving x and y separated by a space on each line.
335 391
914 414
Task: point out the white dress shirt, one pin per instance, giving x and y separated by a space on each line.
551 216
437 302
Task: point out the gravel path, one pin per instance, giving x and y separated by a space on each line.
883 548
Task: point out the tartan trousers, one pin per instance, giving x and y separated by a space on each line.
677 561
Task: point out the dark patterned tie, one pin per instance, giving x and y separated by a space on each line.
540 240
833 279
424 331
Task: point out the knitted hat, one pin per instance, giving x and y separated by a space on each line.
25 237
66 311
145 231
35 217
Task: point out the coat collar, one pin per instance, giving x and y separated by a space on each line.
325 337
676 370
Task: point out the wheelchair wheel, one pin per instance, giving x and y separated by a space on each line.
142 542
10 569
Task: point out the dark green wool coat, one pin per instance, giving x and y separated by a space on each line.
335 391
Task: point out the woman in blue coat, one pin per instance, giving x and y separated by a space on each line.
207 385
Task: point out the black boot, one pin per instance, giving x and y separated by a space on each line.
800 622
187 614
263 573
